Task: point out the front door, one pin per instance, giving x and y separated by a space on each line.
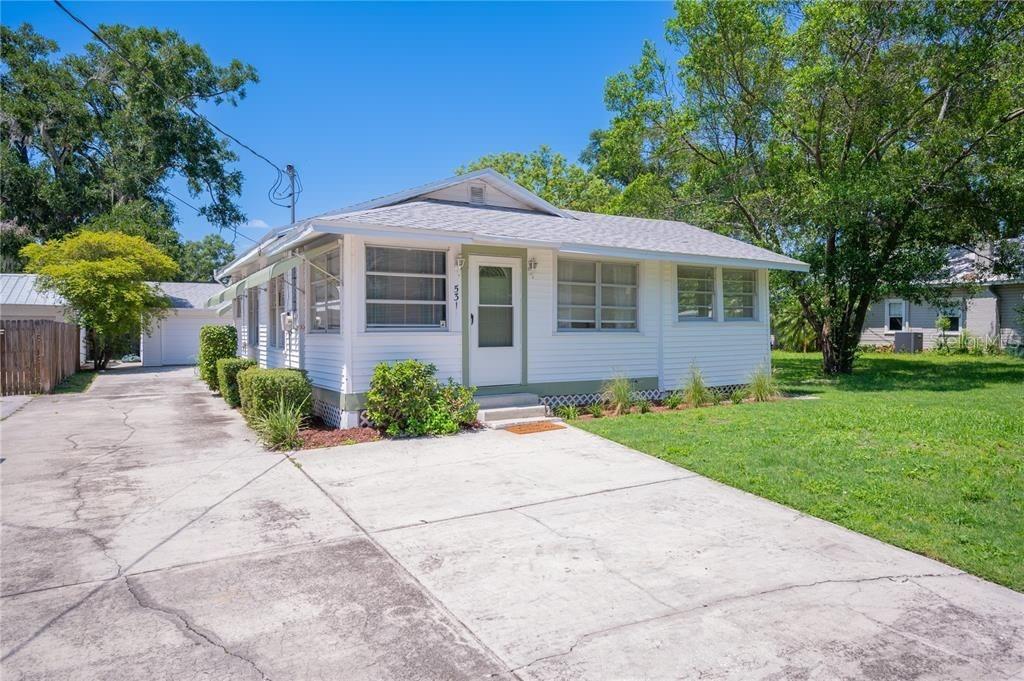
495 321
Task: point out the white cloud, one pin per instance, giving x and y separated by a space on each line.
257 224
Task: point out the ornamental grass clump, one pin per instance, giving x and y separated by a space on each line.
618 395
763 386
696 392
278 426
673 400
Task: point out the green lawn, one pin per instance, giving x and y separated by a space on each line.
924 452
75 383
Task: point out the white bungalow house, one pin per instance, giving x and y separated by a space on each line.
503 291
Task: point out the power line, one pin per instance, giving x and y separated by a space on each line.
274 194
199 212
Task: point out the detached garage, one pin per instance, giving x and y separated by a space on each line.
174 339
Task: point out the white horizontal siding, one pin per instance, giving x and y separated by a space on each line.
1011 300
444 350
324 360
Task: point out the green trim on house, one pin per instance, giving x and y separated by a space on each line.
565 387
498 252
357 401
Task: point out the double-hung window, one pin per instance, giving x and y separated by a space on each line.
275 291
252 301
695 287
739 294
325 292
406 288
953 314
895 315
597 295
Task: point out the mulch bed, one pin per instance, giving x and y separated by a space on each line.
317 434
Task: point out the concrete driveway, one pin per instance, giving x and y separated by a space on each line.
147 536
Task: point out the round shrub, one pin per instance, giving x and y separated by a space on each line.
402 396
406 400
261 390
216 341
227 377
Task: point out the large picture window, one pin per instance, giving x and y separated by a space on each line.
275 291
325 292
696 292
406 288
597 295
739 294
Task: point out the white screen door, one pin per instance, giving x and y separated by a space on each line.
495 336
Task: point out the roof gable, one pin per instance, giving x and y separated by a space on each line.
500 191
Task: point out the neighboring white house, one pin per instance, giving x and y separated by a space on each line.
503 291
990 308
173 340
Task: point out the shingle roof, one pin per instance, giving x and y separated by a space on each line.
587 229
966 265
189 294
20 289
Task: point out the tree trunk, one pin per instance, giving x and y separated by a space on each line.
838 349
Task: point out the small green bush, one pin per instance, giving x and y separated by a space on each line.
279 425
715 397
618 395
216 341
569 412
260 389
644 406
763 386
227 377
595 410
738 395
406 399
673 400
696 392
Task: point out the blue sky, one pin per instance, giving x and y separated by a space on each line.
370 98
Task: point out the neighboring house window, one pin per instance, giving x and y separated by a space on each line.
252 299
325 292
696 292
739 294
406 288
275 290
895 314
596 295
953 314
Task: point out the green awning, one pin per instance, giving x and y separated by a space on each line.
268 273
253 280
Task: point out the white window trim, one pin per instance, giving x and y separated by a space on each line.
716 294
308 302
598 284
885 315
756 312
447 276
951 311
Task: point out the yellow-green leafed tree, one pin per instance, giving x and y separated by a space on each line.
102 276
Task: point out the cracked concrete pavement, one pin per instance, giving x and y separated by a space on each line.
146 535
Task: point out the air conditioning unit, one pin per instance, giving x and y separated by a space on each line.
908 341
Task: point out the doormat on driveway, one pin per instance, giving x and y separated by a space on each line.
538 427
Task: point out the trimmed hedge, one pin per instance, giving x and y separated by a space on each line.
262 389
216 341
227 377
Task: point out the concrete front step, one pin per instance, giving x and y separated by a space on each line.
486 416
507 400
508 423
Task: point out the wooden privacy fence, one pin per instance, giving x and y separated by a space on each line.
36 355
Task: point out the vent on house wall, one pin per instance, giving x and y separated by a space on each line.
476 194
